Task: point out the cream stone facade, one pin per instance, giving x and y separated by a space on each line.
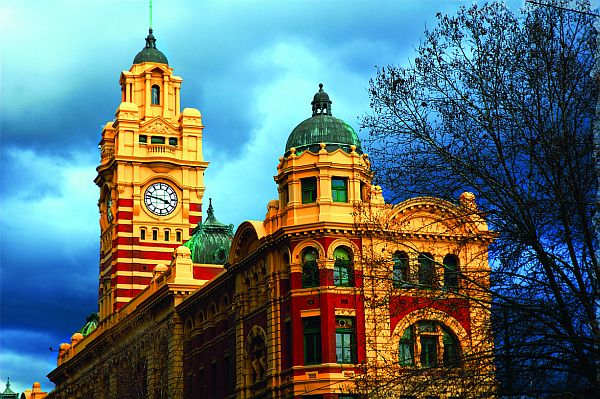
334 294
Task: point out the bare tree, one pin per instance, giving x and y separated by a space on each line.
502 105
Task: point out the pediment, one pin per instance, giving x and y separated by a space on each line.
158 126
426 222
431 215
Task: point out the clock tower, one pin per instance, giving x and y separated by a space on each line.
151 178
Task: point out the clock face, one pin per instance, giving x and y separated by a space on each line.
160 199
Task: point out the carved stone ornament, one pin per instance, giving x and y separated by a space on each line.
256 350
467 200
158 127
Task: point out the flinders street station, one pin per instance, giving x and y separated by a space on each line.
335 294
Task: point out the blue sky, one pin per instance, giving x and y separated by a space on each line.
250 67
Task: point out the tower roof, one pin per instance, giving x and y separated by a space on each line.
7 390
322 127
150 53
211 240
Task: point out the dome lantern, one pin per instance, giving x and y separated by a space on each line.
321 104
150 53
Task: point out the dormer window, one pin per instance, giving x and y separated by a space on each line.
155 95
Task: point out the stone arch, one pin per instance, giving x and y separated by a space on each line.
302 246
433 315
245 240
439 211
343 242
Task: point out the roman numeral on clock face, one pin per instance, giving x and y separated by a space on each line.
160 199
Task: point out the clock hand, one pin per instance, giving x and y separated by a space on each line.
158 198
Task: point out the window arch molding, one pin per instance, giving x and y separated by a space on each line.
434 315
296 260
342 242
427 314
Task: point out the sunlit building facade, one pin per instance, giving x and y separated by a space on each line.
333 293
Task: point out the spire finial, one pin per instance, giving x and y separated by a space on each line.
7 382
150 16
320 86
210 211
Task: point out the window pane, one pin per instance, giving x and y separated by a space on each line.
310 270
310 254
426 273
339 189
427 326
451 272
155 95
310 274
309 190
450 350
143 138
341 253
157 140
400 274
406 348
343 274
345 340
312 340
172 141
428 351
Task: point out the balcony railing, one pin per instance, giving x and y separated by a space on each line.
160 149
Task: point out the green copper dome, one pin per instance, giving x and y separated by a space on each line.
150 53
322 127
91 323
211 240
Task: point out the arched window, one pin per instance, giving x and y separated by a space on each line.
426 272
343 273
400 275
428 344
310 270
451 272
155 95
